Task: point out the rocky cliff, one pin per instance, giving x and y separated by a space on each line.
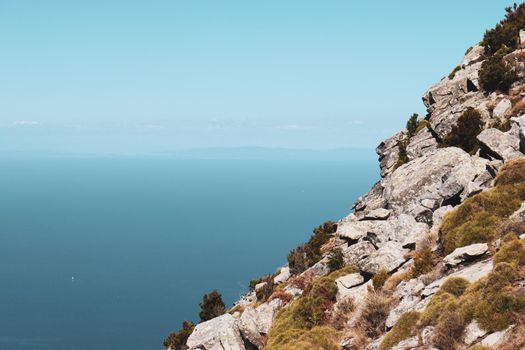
433 256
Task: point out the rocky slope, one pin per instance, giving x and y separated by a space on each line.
433 256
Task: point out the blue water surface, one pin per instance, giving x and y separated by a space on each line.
113 253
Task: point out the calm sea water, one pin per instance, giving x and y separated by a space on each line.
115 253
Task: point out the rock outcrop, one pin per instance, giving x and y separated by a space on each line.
395 233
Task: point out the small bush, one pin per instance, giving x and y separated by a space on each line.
511 252
280 294
264 292
405 327
453 73
423 262
211 306
495 74
380 278
455 286
449 330
412 125
375 312
177 340
342 312
463 134
505 34
402 154
306 255
440 303
336 261
318 338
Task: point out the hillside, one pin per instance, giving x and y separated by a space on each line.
433 256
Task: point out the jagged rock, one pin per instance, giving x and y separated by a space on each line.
356 252
220 333
408 292
421 144
377 214
320 268
390 256
465 254
519 214
388 152
441 176
246 300
349 343
283 275
426 335
372 200
473 333
403 229
407 344
499 144
493 339
294 291
358 293
255 323
472 273
438 215
502 108
349 281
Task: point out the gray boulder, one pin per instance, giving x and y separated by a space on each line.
421 144
255 323
424 184
473 332
220 333
284 274
377 214
349 281
356 252
390 256
499 144
466 254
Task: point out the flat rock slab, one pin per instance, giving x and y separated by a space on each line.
389 256
465 254
350 280
502 145
471 273
377 214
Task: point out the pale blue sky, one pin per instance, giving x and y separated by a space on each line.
156 76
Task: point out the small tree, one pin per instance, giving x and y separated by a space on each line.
212 306
412 125
336 261
464 133
177 340
494 74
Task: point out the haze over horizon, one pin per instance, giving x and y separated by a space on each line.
126 77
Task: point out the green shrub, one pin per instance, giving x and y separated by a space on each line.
412 125
495 74
264 292
336 261
177 340
453 73
511 252
306 255
211 306
476 220
402 154
318 338
455 286
405 327
505 34
464 133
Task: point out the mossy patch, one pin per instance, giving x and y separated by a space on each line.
405 327
477 218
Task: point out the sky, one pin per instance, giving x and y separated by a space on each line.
148 77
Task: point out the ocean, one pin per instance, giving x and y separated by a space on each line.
113 253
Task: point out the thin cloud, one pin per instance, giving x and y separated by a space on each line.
293 127
26 123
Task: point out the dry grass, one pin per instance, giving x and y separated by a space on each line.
476 220
448 331
375 312
516 337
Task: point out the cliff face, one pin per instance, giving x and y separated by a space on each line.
433 257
